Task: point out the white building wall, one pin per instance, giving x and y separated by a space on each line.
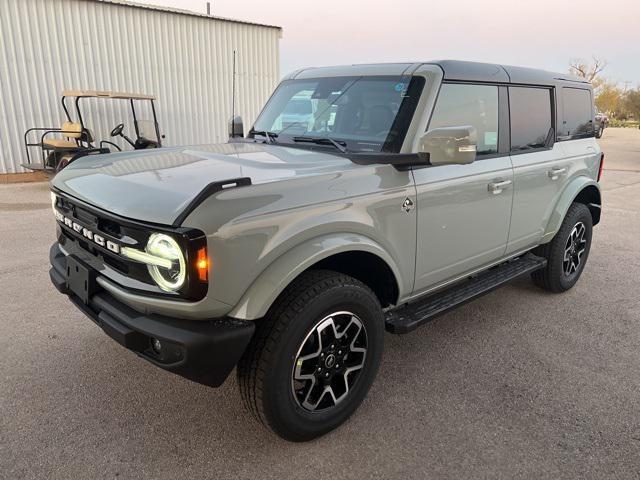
47 46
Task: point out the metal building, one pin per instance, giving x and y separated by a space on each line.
185 59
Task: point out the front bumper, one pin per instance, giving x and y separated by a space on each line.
202 351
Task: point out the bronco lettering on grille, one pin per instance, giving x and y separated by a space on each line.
88 234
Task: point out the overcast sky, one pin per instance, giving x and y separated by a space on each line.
541 33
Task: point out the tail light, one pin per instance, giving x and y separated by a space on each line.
601 165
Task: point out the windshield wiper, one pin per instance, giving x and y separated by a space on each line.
323 141
270 136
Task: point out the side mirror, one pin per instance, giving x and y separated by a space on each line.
236 128
450 145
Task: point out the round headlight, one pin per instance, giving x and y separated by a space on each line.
163 246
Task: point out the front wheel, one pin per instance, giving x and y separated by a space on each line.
567 252
314 356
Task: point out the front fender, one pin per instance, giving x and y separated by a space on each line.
281 272
571 191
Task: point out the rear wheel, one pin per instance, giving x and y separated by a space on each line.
567 253
314 356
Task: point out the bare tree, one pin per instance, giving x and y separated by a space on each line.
587 70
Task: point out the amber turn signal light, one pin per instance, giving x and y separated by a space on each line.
202 265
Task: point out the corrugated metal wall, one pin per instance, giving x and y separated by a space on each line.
186 61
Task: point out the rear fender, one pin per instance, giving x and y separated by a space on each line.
567 197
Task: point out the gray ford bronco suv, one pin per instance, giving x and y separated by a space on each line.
401 192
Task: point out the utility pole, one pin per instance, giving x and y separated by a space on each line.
208 9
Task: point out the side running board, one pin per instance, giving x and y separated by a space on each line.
410 316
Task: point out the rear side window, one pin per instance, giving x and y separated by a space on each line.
475 105
577 115
531 123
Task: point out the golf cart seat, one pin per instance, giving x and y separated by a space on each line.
72 133
59 143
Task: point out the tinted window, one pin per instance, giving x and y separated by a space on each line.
577 118
530 117
475 105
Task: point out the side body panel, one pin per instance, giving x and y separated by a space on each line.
539 178
539 188
462 225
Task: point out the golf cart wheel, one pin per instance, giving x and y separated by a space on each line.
600 131
63 162
567 253
314 356
52 160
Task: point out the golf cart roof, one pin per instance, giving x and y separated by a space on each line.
99 94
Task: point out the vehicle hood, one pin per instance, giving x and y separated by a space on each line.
157 185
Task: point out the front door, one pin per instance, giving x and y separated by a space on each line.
464 210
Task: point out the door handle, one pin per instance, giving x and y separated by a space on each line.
555 173
498 187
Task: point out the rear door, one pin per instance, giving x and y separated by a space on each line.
577 132
464 210
539 164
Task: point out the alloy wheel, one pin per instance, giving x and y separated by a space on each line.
574 249
329 361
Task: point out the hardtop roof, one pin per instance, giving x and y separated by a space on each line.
452 69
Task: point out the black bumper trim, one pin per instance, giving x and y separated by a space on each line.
203 351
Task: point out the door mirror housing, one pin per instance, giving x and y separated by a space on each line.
450 145
236 127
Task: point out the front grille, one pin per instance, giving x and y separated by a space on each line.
110 264
81 225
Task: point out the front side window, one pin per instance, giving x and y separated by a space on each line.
475 105
577 121
531 123
365 114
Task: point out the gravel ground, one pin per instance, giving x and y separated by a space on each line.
519 383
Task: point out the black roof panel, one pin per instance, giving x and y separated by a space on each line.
490 72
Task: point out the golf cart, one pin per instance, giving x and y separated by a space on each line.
61 146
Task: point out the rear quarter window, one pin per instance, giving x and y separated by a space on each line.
577 114
531 119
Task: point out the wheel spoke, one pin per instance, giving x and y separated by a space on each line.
567 254
310 401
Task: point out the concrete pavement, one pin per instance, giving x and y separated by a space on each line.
519 383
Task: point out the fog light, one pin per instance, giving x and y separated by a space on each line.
156 345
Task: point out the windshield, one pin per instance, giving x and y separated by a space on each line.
365 114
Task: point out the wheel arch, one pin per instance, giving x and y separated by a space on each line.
581 190
354 255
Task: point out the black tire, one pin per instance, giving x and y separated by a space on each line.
558 275
599 132
266 370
